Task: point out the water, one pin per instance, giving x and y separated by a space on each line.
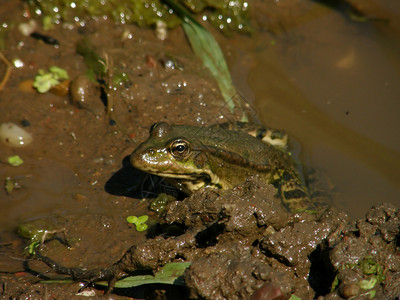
334 86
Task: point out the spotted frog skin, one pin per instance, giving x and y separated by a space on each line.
220 156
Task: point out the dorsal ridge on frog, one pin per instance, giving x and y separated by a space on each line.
192 157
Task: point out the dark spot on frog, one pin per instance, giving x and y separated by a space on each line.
294 194
261 133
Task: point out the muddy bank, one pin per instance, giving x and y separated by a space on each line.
241 243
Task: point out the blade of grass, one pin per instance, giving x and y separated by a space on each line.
171 273
207 49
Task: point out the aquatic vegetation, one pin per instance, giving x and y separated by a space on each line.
140 222
171 273
226 15
44 81
207 49
10 185
158 204
15 160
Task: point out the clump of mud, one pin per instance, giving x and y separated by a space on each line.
243 244
247 243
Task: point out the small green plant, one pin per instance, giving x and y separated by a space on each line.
140 222
15 160
44 81
171 273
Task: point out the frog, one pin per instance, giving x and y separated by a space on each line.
221 156
226 157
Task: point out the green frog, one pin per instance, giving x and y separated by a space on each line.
221 156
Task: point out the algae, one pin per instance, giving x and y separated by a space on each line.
224 14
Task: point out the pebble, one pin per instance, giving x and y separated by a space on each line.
14 136
86 94
350 290
27 28
161 30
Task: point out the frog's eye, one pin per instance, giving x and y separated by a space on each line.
179 148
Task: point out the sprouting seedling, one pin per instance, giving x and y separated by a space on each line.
140 222
44 81
15 160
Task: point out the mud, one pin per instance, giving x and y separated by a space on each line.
242 243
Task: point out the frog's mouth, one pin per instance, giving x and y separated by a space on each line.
153 165
205 176
192 176
189 182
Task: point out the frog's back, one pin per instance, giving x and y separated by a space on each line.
271 162
234 146
226 157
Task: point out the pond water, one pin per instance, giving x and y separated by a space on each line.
333 84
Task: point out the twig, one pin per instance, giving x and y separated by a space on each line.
7 73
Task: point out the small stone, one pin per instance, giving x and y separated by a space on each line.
14 136
349 290
268 292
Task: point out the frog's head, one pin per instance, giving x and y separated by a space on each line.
170 151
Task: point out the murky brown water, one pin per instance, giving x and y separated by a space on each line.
333 84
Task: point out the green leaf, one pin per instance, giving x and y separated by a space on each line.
44 81
132 219
294 297
335 284
120 78
141 227
15 160
32 247
58 73
9 185
93 61
372 294
142 219
138 221
207 49
171 273
368 284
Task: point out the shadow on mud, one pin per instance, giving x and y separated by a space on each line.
133 183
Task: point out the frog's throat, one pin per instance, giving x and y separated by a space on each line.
192 176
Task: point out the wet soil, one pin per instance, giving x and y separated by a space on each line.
242 243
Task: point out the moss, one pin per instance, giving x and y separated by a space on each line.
228 15
225 15
158 204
